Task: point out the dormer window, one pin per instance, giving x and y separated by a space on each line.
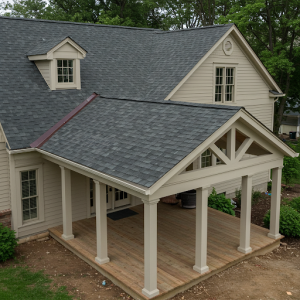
65 71
58 61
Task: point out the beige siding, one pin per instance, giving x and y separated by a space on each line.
52 199
251 90
44 68
4 178
66 49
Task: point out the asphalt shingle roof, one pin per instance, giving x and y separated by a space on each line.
138 141
124 63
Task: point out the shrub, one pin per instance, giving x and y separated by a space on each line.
8 242
238 197
270 186
220 202
295 204
255 196
289 221
291 169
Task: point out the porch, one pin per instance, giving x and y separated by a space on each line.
175 247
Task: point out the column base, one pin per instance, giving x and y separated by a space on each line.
245 251
67 237
150 294
274 236
102 261
201 270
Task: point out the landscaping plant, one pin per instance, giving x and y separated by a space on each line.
295 204
8 242
220 202
289 221
291 169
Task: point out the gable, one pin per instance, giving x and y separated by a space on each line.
67 51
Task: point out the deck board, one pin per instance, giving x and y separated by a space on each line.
176 247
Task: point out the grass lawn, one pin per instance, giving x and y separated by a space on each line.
19 283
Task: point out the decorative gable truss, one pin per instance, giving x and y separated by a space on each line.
59 62
243 146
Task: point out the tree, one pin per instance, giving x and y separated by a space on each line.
272 29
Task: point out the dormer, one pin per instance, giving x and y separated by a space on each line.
58 60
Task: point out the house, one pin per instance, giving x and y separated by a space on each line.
96 119
290 122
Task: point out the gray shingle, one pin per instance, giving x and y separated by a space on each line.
124 63
95 137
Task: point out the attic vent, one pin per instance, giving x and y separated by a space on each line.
228 46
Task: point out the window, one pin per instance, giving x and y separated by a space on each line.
29 195
224 84
65 71
206 159
91 192
120 195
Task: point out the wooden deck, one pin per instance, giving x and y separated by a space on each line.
176 248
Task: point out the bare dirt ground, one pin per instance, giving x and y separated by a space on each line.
273 276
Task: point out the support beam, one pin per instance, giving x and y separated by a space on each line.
201 230
231 144
245 220
150 248
217 152
66 203
275 203
243 148
101 223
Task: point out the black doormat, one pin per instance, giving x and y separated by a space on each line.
121 214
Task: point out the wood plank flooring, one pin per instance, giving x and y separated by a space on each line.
176 246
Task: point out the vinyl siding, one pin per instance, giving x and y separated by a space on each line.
53 200
251 92
44 68
4 178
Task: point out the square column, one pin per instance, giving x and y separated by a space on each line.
150 248
245 220
275 203
201 230
101 223
66 203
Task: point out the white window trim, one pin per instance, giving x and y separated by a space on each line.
225 65
55 85
40 189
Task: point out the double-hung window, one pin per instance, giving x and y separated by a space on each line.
29 193
65 71
224 84
206 159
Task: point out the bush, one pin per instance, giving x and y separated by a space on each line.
238 197
8 242
291 169
295 204
220 202
269 186
289 221
256 195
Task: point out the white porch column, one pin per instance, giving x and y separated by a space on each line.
66 203
275 203
150 248
245 220
101 223
201 230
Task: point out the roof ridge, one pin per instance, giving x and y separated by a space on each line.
78 23
170 102
196 28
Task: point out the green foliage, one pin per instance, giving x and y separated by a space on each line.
20 283
238 197
269 186
220 202
295 204
8 243
291 169
289 221
256 195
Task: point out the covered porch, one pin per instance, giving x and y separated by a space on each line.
176 239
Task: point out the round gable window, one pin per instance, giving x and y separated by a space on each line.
228 46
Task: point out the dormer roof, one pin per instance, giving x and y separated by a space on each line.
49 45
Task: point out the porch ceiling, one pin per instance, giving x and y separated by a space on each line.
176 247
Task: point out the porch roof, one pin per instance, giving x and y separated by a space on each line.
137 141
